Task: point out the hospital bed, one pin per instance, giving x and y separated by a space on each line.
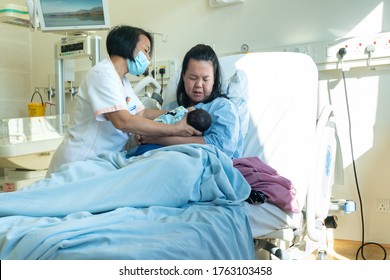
291 131
189 201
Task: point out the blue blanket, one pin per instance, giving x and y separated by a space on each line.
178 202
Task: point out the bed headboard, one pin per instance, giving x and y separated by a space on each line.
280 89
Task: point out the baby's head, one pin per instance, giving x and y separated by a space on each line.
199 119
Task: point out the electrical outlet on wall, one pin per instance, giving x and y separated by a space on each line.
382 204
168 65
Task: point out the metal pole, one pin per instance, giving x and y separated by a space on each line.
95 49
59 96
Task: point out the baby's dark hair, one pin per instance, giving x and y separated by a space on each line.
199 119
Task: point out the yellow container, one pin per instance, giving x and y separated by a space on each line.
36 109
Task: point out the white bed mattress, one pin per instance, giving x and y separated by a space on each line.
267 217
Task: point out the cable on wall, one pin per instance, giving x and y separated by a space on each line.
360 250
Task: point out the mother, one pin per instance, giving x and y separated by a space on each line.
200 86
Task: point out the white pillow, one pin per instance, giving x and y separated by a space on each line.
237 91
169 93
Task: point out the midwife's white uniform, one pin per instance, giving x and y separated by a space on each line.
102 91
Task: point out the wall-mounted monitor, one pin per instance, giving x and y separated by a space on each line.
72 16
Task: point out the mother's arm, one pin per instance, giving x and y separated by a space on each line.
225 132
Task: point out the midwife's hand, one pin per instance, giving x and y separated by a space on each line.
186 130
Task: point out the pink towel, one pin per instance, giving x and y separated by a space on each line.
262 177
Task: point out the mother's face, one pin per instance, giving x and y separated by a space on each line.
198 80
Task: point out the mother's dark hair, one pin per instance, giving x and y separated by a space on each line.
122 40
204 53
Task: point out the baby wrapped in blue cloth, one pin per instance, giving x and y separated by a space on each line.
198 118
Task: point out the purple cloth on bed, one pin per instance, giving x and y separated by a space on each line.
262 177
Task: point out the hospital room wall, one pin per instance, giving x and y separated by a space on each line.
15 71
267 25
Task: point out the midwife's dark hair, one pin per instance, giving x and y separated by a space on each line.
122 40
204 53
199 119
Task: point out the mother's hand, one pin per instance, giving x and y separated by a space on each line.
145 139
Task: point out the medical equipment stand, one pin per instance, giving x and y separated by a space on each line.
72 47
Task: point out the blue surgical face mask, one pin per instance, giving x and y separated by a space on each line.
139 65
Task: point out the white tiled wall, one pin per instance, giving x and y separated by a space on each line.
15 71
